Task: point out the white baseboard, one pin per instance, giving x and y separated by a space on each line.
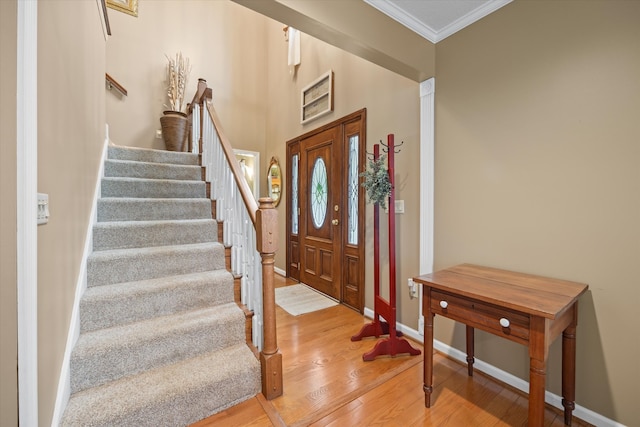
280 271
64 382
507 378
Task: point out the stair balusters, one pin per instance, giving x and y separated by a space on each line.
252 253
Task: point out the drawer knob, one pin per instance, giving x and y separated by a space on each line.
444 304
504 322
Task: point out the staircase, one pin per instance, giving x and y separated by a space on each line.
162 342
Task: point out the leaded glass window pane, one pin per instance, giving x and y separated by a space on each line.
352 192
319 190
294 194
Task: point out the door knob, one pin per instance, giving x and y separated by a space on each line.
335 221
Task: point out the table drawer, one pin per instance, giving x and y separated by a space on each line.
511 324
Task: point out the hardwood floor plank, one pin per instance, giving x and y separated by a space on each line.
374 407
248 413
496 408
337 383
323 368
271 412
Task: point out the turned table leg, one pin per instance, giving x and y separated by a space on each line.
470 350
538 354
428 347
569 367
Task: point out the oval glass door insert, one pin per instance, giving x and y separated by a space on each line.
319 187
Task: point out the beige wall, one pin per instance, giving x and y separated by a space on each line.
8 219
538 170
225 45
71 118
392 104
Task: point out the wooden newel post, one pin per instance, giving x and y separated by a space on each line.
267 245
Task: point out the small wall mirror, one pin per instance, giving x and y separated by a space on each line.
274 181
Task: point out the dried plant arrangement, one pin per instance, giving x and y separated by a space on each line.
377 181
178 70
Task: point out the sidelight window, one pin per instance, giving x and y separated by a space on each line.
352 191
294 194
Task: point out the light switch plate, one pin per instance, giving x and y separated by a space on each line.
43 208
399 208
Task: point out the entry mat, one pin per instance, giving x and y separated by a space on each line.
300 299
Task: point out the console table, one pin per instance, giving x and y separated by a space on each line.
527 309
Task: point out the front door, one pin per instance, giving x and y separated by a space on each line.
325 210
322 198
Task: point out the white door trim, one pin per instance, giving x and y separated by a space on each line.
26 204
427 162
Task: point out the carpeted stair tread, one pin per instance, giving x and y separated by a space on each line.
112 305
136 169
152 156
174 395
151 188
137 209
129 349
127 265
136 234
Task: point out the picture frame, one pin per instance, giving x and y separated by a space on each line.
126 6
317 98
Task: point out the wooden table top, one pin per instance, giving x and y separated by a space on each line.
535 295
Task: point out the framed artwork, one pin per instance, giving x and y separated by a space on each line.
317 98
126 6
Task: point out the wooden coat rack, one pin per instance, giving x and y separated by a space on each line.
381 308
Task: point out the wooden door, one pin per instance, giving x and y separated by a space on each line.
321 197
325 209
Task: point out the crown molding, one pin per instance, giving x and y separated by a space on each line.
400 15
470 18
434 36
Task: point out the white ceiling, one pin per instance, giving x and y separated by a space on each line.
437 19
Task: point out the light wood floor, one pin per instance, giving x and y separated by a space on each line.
326 383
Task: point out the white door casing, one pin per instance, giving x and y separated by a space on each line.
427 161
27 211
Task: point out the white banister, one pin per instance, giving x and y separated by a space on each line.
239 233
250 233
